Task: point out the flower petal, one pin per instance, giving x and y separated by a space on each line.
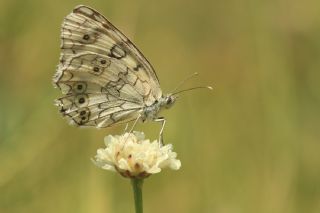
134 156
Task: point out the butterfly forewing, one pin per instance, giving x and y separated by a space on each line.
104 77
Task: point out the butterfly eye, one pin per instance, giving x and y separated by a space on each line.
79 87
169 102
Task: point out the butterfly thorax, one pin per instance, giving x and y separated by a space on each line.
151 112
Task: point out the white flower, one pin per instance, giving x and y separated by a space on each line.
133 156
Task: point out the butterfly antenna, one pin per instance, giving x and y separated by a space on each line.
193 88
184 81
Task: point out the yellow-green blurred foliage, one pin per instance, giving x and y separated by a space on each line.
251 145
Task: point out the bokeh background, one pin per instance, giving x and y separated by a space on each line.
251 145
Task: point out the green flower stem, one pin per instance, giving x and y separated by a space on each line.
137 193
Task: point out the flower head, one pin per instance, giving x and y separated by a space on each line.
134 156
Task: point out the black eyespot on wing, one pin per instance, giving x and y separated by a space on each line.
86 37
96 69
81 100
102 62
79 87
90 37
83 116
99 65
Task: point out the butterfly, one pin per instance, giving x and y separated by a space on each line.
104 78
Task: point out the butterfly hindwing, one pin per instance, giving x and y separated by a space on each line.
86 110
104 77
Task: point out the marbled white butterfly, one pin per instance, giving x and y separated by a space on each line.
104 78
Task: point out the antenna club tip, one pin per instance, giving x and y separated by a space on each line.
210 88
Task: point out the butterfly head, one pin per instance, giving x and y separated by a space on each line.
169 100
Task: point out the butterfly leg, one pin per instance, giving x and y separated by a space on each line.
163 122
131 129
126 128
134 124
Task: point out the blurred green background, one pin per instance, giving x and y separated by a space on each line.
251 145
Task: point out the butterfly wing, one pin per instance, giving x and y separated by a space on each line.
103 76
